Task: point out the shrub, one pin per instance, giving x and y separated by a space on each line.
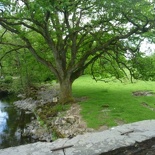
8 79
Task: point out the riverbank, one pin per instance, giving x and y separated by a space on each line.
52 121
96 143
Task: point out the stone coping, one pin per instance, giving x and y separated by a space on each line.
94 143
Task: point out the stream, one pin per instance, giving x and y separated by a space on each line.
12 124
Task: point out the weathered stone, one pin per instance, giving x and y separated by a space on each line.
34 137
27 104
70 123
26 133
39 110
22 96
143 93
95 143
70 119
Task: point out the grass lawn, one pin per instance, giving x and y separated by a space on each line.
113 102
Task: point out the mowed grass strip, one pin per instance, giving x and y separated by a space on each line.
113 102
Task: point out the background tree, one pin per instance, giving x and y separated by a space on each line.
67 36
19 70
144 67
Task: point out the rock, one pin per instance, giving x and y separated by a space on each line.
26 133
22 96
39 110
37 132
143 93
26 104
55 99
69 123
70 119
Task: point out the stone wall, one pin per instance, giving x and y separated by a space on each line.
95 143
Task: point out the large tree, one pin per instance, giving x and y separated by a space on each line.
67 36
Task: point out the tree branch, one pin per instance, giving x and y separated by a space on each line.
40 59
12 50
3 35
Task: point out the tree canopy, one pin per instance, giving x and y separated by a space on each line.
67 36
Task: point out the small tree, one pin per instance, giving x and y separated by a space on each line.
67 36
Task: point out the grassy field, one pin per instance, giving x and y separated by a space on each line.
113 103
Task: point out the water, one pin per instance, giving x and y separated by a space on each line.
12 125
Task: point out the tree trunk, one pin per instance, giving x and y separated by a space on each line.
66 91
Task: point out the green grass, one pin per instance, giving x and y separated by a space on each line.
108 103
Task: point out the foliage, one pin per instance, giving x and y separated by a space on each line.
68 36
107 67
8 79
144 67
21 71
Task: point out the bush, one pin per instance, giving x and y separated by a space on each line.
8 79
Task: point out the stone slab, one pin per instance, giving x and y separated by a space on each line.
94 143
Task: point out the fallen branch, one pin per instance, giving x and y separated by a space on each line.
126 133
62 148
